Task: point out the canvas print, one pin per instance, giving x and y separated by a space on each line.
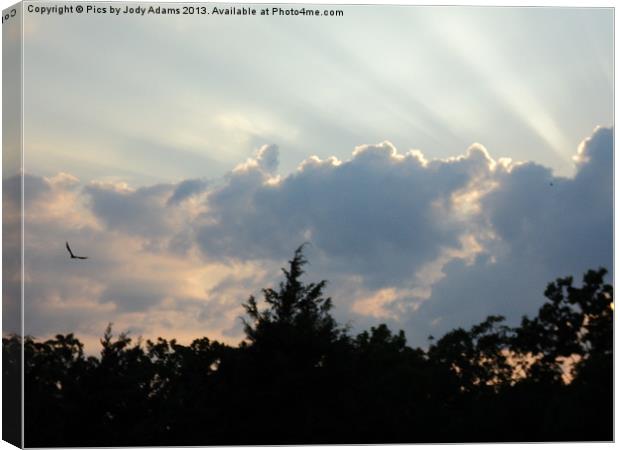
297 224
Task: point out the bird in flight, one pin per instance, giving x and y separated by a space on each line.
72 255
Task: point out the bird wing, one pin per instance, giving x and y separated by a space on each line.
82 257
69 249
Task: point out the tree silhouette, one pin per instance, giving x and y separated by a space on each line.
575 322
477 358
12 359
294 349
297 324
300 378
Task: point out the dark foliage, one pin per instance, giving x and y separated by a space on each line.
300 378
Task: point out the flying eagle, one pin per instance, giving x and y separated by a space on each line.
72 255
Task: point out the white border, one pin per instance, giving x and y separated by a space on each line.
523 3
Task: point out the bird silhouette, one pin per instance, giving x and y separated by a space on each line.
72 255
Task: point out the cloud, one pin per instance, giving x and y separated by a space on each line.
267 158
186 189
445 241
382 215
133 211
423 244
543 227
560 222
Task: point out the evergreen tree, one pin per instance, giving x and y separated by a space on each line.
297 324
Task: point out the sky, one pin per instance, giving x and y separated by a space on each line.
444 163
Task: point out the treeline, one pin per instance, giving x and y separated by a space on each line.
301 378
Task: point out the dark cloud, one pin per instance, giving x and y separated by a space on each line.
130 295
378 215
546 227
34 188
562 223
186 189
140 212
435 244
384 217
